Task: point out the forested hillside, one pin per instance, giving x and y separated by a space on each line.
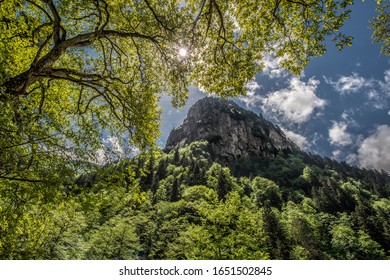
184 205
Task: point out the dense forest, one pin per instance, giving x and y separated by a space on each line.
185 205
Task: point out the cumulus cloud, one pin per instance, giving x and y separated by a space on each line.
271 67
376 90
374 150
385 84
338 135
296 103
100 156
336 154
298 139
348 117
113 142
110 150
352 159
379 92
251 88
387 77
348 84
251 98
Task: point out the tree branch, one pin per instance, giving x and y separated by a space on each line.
69 73
197 19
41 48
57 23
105 23
28 142
158 17
18 85
23 179
40 8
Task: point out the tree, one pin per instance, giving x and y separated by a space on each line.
115 240
266 192
228 230
349 244
175 192
303 228
382 208
381 26
70 70
277 241
219 179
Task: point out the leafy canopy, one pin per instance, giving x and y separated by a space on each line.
71 70
381 26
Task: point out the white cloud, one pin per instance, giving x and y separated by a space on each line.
385 85
271 67
113 143
251 88
251 98
348 117
387 77
134 151
348 84
337 153
338 135
352 159
376 99
296 103
377 91
298 139
345 115
109 150
374 150
100 156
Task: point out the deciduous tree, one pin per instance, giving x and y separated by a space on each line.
70 70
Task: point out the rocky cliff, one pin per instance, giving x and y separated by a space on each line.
232 132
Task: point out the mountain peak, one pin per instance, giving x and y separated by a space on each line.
232 131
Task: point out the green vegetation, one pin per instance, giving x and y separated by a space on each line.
381 26
71 70
185 205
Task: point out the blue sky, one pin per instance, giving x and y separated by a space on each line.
339 107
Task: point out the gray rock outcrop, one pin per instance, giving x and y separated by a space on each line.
232 132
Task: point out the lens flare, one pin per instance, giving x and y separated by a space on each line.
183 52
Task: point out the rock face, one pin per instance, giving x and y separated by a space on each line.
232 132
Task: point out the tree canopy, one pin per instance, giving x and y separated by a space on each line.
381 26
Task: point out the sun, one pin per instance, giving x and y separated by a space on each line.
182 52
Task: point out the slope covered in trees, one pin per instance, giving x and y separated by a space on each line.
184 205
